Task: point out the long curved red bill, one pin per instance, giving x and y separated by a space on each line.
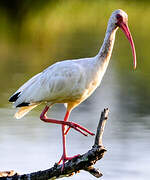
125 29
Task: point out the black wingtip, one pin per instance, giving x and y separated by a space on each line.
23 104
14 97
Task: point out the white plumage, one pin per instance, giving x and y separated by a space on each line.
63 82
70 81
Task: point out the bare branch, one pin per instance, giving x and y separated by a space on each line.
100 128
82 162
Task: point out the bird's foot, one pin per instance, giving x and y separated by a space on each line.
78 128
73 125
63 159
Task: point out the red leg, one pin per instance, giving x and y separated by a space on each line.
76 126
64 157
73 125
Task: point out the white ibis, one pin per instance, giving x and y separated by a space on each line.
71 81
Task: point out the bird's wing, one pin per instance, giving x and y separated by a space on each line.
66 80
55 84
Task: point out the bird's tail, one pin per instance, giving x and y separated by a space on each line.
24 110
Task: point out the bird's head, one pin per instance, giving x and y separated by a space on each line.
120 19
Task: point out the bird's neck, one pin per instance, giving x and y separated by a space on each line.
106 50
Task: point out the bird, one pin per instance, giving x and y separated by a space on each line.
70 82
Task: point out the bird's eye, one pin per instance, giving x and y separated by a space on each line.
118 16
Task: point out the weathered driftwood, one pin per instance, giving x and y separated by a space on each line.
82 162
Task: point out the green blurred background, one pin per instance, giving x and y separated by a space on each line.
35 34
